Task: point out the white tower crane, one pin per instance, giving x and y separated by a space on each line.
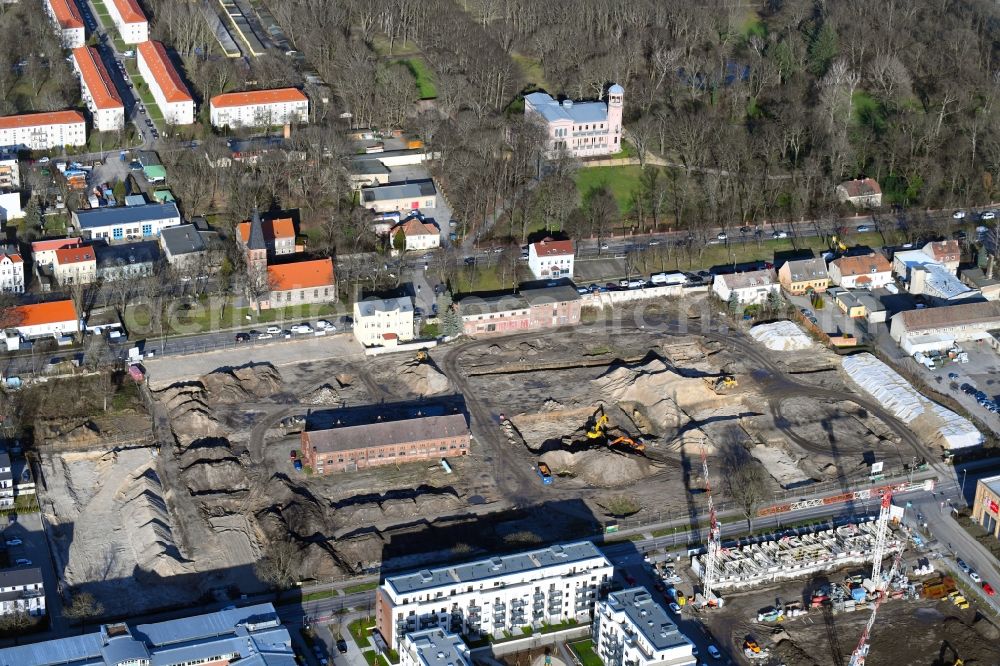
861 652
881 531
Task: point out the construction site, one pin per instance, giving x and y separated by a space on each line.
570 430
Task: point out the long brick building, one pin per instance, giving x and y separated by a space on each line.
548 307
350 448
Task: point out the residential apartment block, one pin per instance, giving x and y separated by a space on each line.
10 173
22 590
41 131
166 85
350 448
11 272
127 261
68 22
127 223
75 265
252 635
800 276
750 288
551 259
866 271
259 108
547 307
43 252
582 129
383 323
98 91
631 629
493 595
6 481
434 647
129 19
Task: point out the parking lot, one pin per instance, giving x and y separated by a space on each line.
982 374
25 545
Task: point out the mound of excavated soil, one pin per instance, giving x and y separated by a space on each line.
423 378
600 467
661 389
236 385
324 395
68 433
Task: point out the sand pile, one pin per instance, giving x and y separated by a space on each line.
234 385
600 467
423 378
661 390
324 395
781 336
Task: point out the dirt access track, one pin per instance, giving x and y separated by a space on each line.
195 516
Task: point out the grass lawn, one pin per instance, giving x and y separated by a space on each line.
585 651
370 657
482 278
565 624
532 69
422 75
621 180
360 631
316 596
381 46
361 587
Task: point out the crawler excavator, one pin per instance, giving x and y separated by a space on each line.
619 438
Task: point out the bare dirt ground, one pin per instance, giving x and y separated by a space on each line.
220 493
917 632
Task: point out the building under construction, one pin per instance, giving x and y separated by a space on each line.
790 557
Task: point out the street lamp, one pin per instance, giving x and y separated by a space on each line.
964 472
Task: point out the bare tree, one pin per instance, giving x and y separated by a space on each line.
281 566
83 606
745 480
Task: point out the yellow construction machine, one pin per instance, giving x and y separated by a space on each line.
723 383
421 356
600 431
599 426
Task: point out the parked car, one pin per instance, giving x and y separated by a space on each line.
958 215
265 336
293 455
675 608
242 337
779 234
14 542
324 325
988 589
863 228
722 236
302 328
988 215
297 465
273 330
342 646
976 578
22 562
962 565
714 651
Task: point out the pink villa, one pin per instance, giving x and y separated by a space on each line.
583 129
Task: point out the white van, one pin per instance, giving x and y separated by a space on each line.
667 278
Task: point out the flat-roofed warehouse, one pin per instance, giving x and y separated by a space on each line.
351 448
929 329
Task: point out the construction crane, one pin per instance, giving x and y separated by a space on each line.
881 531
714 538
861 652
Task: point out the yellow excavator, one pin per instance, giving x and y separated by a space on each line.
722 383
600 431
421 356
839 244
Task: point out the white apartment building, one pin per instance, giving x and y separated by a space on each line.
169 91
434 647
750 288
259 108
129 19
496 594
22 590
10 174
98 90
11 273
551 259
41 131
66 17
631 629
383 323
420 235
582 129
6 481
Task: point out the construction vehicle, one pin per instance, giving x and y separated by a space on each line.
722 383
839 244
599 426
958 599
545 473
628 442
421 356
753 650
600 430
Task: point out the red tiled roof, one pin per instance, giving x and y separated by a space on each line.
130 11
96 78
948 250
74 255
44 313
553 248
34 119
864 264
274 96
166 76
415 227
861 187
16 258
66 13
53 244
301 275
281 228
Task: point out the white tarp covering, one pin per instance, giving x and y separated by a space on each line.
781 336
899 397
